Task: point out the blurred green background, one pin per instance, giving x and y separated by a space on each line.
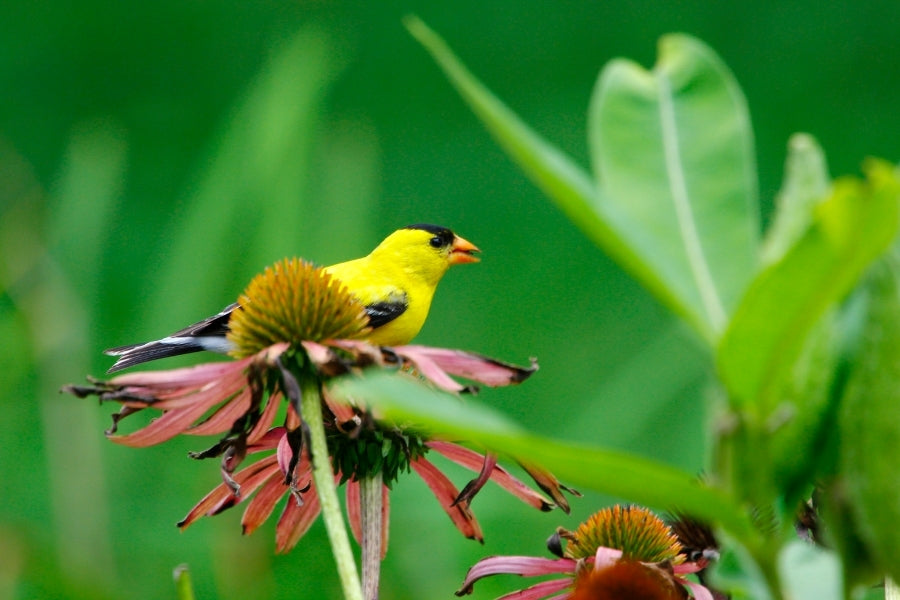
154 156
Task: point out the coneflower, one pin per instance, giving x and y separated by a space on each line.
297 328
619 552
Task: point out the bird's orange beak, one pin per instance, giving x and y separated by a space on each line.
461 251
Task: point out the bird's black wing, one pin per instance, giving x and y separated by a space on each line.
214 326
382 313
208 334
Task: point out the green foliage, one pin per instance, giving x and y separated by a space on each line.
661 157
869 427
388 452
806 184
674 201
615 473
154 157
848 231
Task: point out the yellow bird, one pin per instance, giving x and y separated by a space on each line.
395 282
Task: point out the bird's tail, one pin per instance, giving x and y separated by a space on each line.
136 354
208 334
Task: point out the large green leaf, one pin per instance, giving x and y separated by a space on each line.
402 400
672 148
645 243
849 230
810 572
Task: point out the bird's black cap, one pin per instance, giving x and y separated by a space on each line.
443 233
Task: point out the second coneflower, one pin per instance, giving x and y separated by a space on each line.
297 328
619 552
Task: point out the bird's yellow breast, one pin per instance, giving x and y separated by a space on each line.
407 267
372 282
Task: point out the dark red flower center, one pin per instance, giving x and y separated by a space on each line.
627 580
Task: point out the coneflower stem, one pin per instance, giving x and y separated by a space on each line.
371 507
323 476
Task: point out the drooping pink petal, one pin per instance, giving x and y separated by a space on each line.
700 592
295 520
285 455
472 460
540 590
248 481
526 566
445 492
176 388
162 429
489 371
266 419
274 488
363 353
318 354
337 357
210 393
263 503
267 441
429 369
222 496
550 484
471 489
686 568
181 411
181 378
202 508
342 411
292 420
269 355
223 419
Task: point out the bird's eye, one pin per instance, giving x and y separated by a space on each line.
436 242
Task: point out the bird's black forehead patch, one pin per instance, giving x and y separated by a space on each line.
442 232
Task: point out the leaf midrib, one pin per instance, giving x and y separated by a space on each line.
675 172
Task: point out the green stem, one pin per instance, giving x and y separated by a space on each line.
371 505
323 476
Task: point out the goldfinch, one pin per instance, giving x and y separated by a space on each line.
395 282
